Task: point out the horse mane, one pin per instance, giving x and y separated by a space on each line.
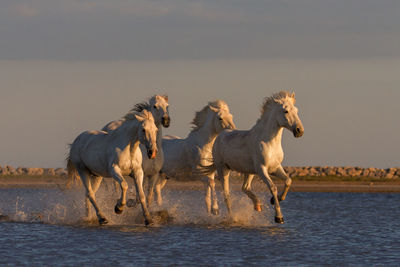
279 97
201 116
131 115
139 107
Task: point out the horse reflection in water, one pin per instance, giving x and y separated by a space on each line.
97 154
258 150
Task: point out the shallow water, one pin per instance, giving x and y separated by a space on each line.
43 227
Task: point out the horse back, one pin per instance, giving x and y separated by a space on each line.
112 125
97 152
233 150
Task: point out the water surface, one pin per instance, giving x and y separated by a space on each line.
43 227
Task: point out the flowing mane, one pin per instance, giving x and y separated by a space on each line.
279 97
131 115
201 116
139 107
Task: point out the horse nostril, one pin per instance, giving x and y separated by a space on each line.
152 153
166 121
298 132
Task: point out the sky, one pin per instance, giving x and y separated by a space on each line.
70 66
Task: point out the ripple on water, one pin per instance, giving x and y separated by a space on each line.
320 229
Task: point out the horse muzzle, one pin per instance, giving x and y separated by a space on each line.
152 153
166 121
298 131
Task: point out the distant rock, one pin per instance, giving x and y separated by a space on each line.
390 173
34 171
49 172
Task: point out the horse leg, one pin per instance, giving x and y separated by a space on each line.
95 183
280 173
246 188
161 181
263 173
117 175
208 197
214 200
115 186
223 175
139 190
150 189
85 177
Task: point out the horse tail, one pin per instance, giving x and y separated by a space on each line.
207 170
73 176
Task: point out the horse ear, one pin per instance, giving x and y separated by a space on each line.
213 109
147 114
293 96
139 118
165 97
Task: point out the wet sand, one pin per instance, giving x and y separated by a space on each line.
297 186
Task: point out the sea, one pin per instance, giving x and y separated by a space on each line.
44 227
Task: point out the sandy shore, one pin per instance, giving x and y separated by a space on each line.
297 186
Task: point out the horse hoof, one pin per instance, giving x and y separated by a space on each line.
118 210
258 208
103 221
215 211
148 222
279 220
131 203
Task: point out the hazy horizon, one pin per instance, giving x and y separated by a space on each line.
71 66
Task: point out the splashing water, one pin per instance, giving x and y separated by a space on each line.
180 207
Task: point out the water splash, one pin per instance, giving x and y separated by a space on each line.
186 207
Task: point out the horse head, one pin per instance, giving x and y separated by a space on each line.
159 109
287 113
223 119
147 132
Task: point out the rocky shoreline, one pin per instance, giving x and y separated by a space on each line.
20 171
318 171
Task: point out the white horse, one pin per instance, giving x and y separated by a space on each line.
184 157
258 150
97 154
158 106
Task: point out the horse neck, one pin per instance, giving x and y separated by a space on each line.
206 134
159 136
128 131
268 130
